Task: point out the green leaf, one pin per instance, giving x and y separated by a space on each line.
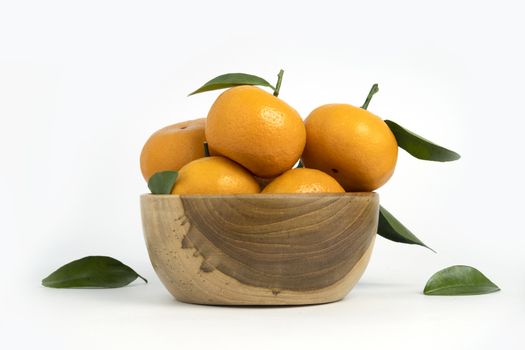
230 80
420 147
162 182
300 164
94 272
459 280
390 228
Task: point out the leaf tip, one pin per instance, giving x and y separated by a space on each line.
432 250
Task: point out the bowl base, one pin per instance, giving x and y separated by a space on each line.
218 289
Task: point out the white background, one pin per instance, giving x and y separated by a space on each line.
83 84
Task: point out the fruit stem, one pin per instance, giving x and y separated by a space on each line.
373 90
278 85
206 149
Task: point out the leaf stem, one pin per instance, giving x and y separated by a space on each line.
373 90
145 280
206 149
278 85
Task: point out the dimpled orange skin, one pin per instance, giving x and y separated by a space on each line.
173 146
351 144
303 180
214 175
256 129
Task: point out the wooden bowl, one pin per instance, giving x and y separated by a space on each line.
262 249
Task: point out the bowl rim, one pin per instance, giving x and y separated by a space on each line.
263 195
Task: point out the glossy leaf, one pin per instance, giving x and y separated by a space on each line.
300 164
230 80
162 182
420 147
94 272
390 228
459 280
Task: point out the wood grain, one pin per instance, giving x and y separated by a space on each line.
260 249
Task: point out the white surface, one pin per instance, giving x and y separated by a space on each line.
82 85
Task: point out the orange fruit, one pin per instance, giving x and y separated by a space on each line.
172 147
256 129
303 180
214 175
351 144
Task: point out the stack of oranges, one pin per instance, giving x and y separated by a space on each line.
255 140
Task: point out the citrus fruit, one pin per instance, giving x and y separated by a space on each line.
172 147
351 144
214 175
256 129
303 180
